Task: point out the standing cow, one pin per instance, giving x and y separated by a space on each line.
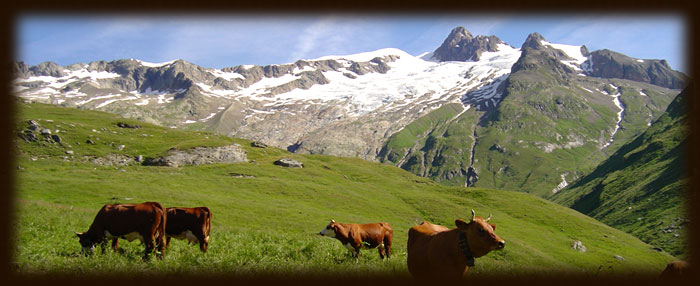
356 236
191 224
145 222
434 251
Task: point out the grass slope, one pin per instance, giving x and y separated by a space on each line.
266 223
641 188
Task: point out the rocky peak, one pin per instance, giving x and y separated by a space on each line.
609 64
20 69
460 45
47 69
533 41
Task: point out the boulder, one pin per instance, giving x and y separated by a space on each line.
289 163
56 138
578 246
126 125
28 136
258 144
200 156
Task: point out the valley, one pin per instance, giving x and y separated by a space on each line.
266 217
384 135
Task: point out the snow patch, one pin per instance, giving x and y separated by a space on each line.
561 185
154 65
227 75
573 52
618 103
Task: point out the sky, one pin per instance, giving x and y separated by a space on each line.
226 40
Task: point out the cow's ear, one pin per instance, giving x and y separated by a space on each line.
79 234
493 226
461 224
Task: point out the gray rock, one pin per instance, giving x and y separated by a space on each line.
112 160
289 163
120 147
139 158
258 144
28 136
200 156
578 246
69 152
126 125
90 142
619 257
45 131
56 138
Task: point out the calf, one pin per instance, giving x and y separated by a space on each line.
355 236
145 222
191 224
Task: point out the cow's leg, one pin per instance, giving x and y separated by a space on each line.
380 248
103 245
115 244
148 242
203 240
167 241
160 243
387 246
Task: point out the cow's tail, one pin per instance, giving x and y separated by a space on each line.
207 221
160 230
388 237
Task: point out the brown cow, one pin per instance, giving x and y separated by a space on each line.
145 222
434 251
356 236
675 270
191 224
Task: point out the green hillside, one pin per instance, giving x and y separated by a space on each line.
552 123
266 217
641 188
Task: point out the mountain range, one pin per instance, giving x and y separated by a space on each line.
474 112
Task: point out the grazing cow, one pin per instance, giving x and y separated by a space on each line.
434 251
191 224
356 236
145 222
675 270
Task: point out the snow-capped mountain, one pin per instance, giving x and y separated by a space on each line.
435 114
278 104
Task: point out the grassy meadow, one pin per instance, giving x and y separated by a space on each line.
266 217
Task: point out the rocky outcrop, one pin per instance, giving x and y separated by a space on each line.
289 163
460 45
200 156
609 64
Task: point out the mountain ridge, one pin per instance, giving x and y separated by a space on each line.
352 105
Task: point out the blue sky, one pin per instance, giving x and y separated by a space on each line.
218 41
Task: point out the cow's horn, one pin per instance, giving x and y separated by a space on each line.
332 220
488 218
473 214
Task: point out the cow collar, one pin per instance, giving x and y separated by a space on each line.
464 246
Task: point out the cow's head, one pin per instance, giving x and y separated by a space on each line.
329 230
86 242
480 235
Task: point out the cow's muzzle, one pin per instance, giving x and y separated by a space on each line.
501 244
